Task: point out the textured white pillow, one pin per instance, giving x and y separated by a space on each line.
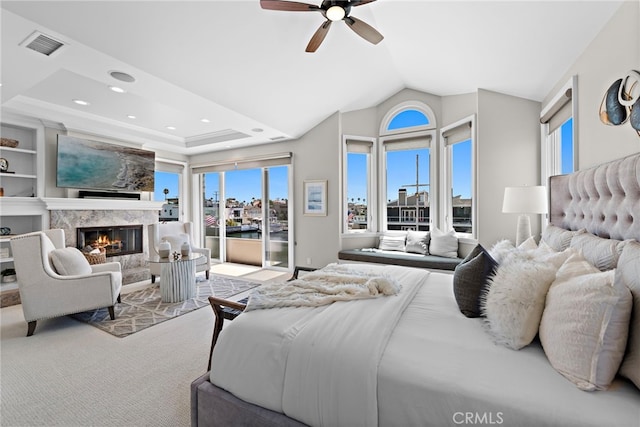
176 241
628 274
602 253
514 301
528 244
70 262
393 241
418 242
443 244
558 238
585 324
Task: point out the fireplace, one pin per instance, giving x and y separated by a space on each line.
115 240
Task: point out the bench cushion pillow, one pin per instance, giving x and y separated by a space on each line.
418 242
393 241
443 244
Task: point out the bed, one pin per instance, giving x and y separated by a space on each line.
413 358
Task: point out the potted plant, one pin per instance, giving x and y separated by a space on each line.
8 275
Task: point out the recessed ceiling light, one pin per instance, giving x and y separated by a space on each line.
257 130
131 116
205 120
80 102
171 127
117 89
122 76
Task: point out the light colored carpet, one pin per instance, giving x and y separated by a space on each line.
72 374
144 308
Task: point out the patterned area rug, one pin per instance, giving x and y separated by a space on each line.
144 308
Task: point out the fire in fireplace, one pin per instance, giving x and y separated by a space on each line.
113 240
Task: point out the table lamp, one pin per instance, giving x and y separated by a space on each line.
524 201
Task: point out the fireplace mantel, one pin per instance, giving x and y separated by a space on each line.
100 204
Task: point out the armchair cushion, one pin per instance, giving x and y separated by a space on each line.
70 262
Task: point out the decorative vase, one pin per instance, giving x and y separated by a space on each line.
164 249
185 249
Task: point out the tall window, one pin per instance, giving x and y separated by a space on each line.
358 185
408 170
407 193
458 176
558 123
168 188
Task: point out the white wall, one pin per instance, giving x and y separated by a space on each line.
508 135
610 55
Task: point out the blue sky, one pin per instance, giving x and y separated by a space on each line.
241 184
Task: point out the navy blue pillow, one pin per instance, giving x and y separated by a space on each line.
470 280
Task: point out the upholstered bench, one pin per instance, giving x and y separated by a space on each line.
378 256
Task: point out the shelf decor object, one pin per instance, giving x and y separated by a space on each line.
11 143
524 201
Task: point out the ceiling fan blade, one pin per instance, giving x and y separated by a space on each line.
364 30
354 3
290 6
318 36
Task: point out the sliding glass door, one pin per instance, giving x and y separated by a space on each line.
246 216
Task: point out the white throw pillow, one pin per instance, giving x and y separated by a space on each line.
529 244
443 244
514 301
585 324
501 249
70 262
418 242
628 274
602 253
558 238
393 241
176 241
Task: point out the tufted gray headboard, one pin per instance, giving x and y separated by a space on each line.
604 200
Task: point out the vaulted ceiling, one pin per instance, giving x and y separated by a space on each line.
245 70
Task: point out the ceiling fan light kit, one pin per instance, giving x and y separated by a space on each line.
332 10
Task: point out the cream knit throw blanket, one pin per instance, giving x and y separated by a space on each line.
334 282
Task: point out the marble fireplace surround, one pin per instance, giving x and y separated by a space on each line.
69 214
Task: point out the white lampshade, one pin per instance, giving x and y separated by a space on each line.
525 200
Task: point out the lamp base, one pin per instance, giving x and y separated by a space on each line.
524 229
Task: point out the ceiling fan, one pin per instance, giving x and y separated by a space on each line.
333 10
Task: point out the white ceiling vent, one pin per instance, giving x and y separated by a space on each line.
42 43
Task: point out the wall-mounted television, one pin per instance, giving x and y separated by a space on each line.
82 163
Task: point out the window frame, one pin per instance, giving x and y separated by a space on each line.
371 185
404 106
550 144
407 137
446 201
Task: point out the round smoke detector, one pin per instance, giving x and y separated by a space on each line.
122 76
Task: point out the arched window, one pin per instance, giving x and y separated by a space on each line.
408 117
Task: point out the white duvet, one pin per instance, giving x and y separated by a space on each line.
317 365
437 367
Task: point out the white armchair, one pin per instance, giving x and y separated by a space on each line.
47 291
175 233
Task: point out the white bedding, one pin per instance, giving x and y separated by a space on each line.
438 368
289 349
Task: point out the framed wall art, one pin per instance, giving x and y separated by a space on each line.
315 198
